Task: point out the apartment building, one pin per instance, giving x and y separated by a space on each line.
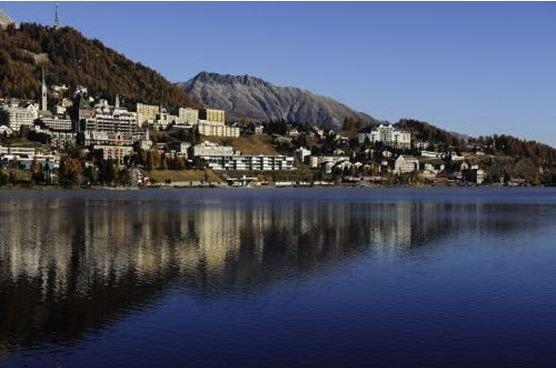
146 113
249 162
205 148
387 135
188 116
15 115
112 119
57 124
217 129
214 115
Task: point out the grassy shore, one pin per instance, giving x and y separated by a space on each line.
160 176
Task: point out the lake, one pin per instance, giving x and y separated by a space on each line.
278 278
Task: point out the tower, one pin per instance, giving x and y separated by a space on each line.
44 93
56 18
117 102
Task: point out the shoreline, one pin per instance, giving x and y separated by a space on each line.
336 187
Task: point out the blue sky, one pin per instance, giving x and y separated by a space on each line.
475 68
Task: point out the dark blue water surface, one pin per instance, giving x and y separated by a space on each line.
278 277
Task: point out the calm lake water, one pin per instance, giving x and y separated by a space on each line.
278 277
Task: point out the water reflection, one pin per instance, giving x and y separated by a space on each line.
71 266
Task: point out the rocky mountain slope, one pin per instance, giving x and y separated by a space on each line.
251 97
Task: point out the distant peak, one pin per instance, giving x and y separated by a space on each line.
228 79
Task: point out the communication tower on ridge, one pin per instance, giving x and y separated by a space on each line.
56 18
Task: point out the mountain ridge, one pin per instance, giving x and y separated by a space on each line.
247 96
68 57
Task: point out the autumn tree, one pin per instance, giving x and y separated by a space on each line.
70 171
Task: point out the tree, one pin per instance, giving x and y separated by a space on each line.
69 171
106 172
37 174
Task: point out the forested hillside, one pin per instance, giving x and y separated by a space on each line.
70 58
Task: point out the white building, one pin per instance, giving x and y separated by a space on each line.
258 130
303 154
188 116
6 131
387 135
214 115
57 124
16 116
165 119
432 154
26 155
249 162
317 161
217 129
205 148
95 137
112 119
406 164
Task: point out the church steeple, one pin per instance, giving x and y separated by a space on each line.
44 93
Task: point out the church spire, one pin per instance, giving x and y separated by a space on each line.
44 93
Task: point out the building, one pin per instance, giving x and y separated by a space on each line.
317 161
205 149
164 119
217 129
146 113
26 155
114 152
249 162
181 149
188 116
303 154
219 157
258 129
475 175
406 164
95 137
112 119
432 154
431 165
5 131
15 116
387 135
57 124
213 115
17 151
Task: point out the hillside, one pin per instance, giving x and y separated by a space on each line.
70 58
538 153
254 98
426 132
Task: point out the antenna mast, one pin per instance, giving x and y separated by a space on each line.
56 18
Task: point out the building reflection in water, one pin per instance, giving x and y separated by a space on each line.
69 267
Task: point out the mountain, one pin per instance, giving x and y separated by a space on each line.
250 97
70 58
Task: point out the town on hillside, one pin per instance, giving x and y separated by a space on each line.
70 138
